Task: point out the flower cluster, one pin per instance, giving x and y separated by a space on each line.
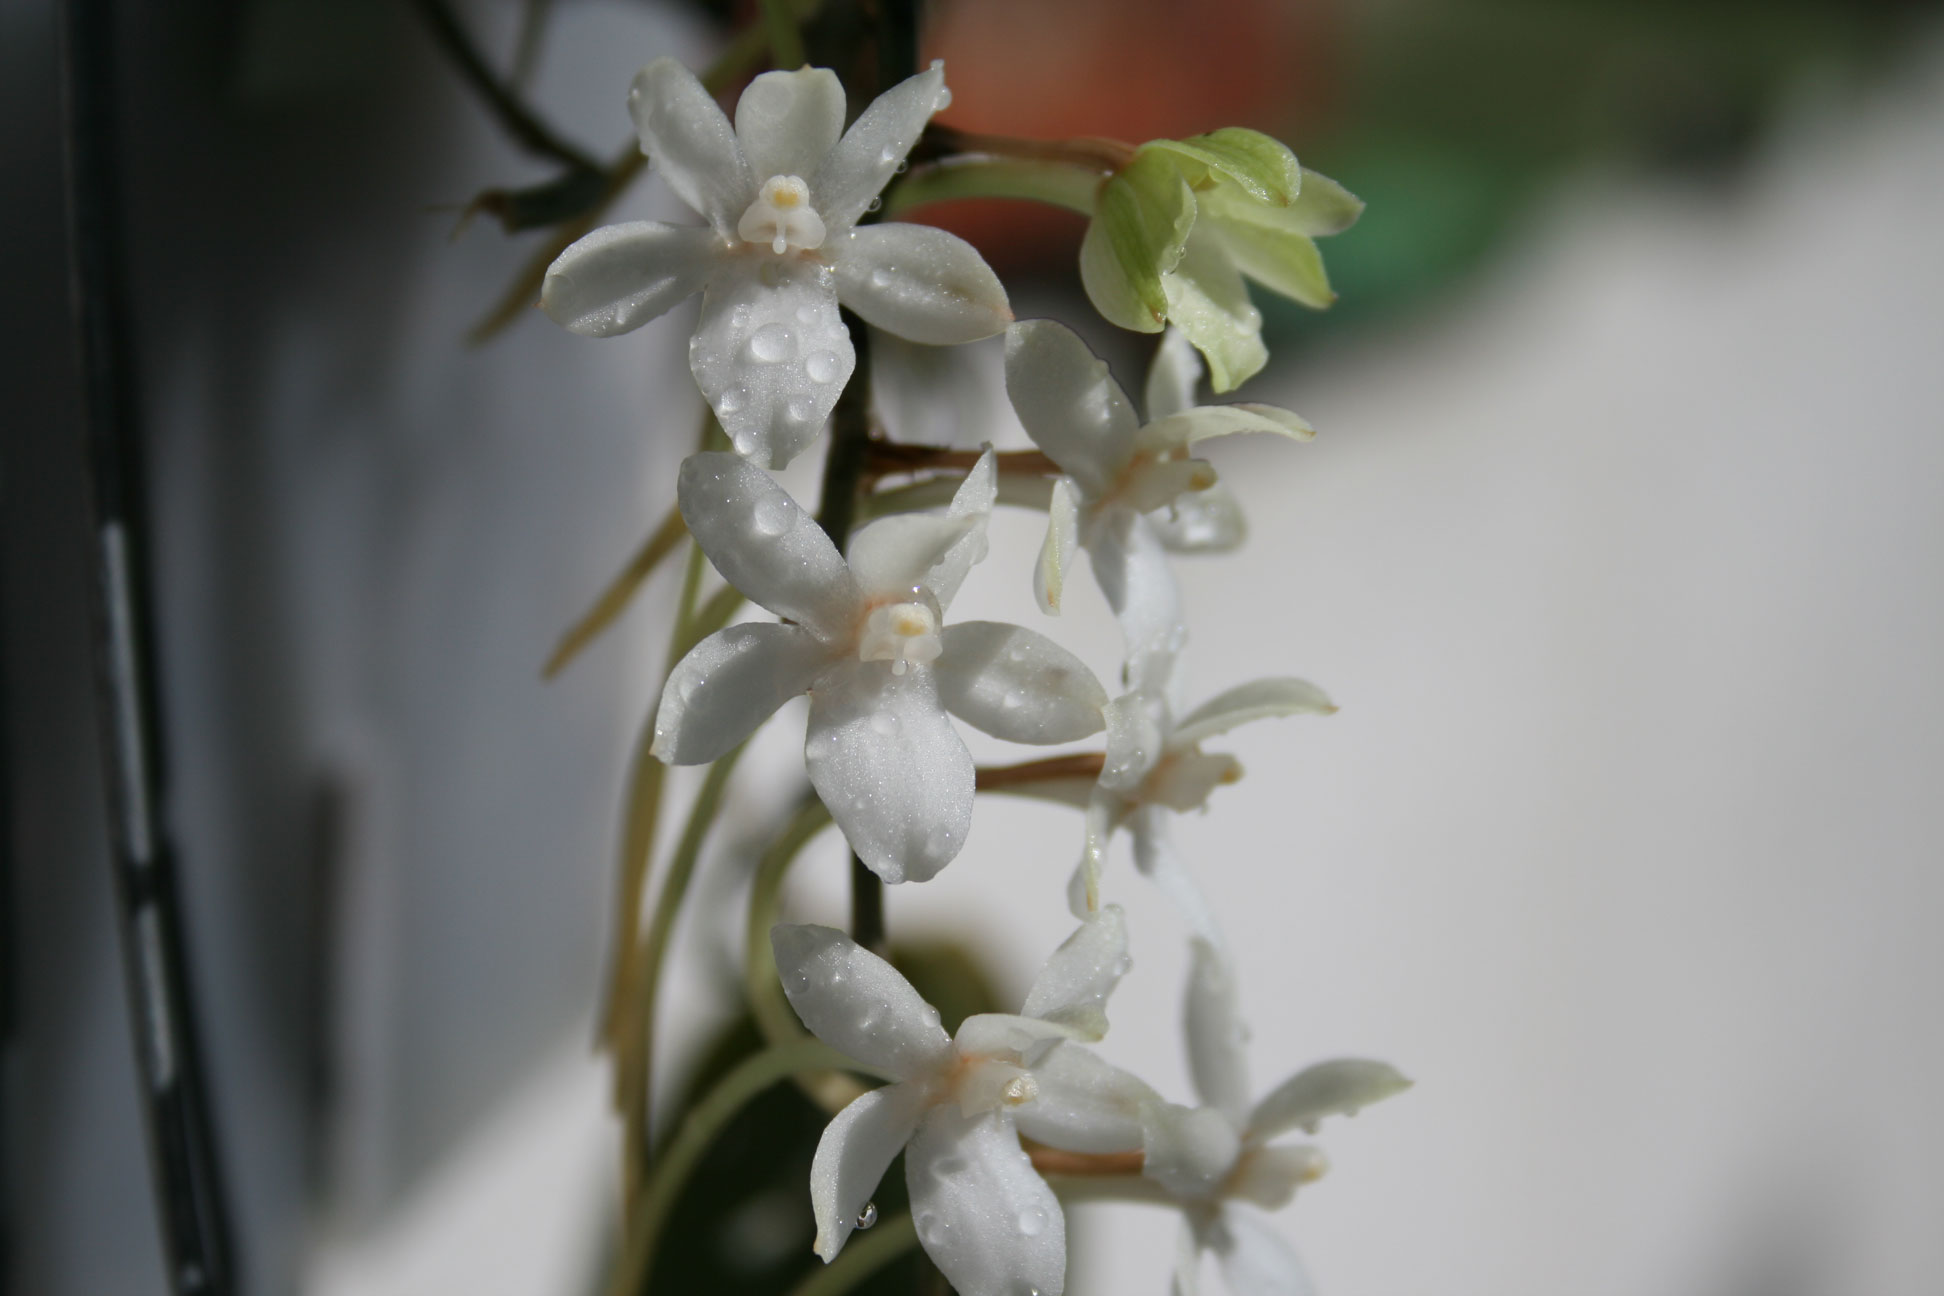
788 195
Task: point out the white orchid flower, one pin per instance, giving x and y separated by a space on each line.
1155 768
957 1104
1119 470
782 193
1219 1163
866 640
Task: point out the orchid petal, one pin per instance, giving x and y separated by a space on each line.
1322 206
857 1003
1255 700
1068 402
1338 1088
1134 740
866 158
1154 485
973 500
619 277
1203 521
1187 1266
771 354
894 773
984 1216
1189 1150
1084 1103
1211 1014
893 555
1160 863
1017 684
1007 1036
1072 988
856 1149
1056 553
1270 1176
787 121
765 545
729 684
1184 782
1254 1258
921 283
1179 432
1132 570
1109 286
1104 813
1208 301
689 140
1173 375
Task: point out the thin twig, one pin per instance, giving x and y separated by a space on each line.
514 117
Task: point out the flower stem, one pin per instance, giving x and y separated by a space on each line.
699 1129
862 1256
614 599
1088 152
1056 183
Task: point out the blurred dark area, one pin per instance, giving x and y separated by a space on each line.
394 843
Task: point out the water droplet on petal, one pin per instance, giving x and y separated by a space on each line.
1032 1222
884 724
730 402
801 409
822 367
881 277
771 516
867 1216
806 314
876 204
745 443
943 101
771 343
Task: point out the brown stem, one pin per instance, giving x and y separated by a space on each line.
1052 1161
1096 152
1087 765
889 458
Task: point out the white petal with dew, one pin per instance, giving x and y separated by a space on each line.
1068 402
1056 552
857 1003
921 283
1254 1258
1190 1150
1269 1176
869 154
787 121
856 1149
983 1215
1155 855
1017 684
1218 1059
1085 1104
1132 570
729 684
1256 700
1202 521
1173 375
894 773
973 499
1072 988
1134 740
771 353
619 277
766 545
1341 1087
893 555
1208 301
689 140
1192 426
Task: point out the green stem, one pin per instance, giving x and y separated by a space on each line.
767 1004
620 591
862 1256
698 1131
1061 184
785 40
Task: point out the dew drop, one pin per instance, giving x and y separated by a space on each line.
745 443
1032 1222
867 1216
888 156
800 409
927 1228
902 167
943 101
876 204
884 724
1012 702
770 516
881 277
771 343
822 367
806 314
939 840
731 401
